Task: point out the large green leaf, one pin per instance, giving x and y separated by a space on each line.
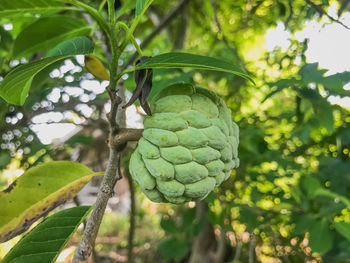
18 7
249 216
280 85
303 224
321 237
5 39
74 46
322 108
47 239
15 86
311 74
173 249
40 36
311 185
126 8
38 191
335 83
343 228
185 60
169 225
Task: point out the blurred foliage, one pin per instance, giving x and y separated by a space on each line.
292 189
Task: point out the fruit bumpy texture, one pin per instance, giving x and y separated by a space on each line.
188 146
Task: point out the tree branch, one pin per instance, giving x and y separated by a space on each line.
132 214
115 101
251 254
87 243
125 135
238 249
320 10
109 180
217 256
203 243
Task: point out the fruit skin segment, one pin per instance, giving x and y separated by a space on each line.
188 146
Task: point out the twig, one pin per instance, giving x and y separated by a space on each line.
115 101
218 254
291 12
165 21
251 248
131 218
320 10
203 243
87 242
111 176
124 135
238 249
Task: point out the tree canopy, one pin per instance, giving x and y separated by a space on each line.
288 201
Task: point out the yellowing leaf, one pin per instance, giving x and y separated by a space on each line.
96 68
38 191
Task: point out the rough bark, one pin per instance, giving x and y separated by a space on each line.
132 215
203 243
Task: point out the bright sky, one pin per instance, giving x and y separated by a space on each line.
329 45
59 132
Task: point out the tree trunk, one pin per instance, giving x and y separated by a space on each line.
203 243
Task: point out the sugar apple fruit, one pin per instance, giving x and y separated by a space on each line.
188 146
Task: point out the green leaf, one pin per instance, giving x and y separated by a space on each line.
330 194
280 85
335 83
321 237
38 191
15 86
80 139
322 108
344 5
303 224
140 4
5 159
311 185
311 74
40 36
173 249
78 45
343 228
46 240
186 60
188 219
169 225
249 216
126 8
5 39
18 7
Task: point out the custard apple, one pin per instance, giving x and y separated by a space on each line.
188 146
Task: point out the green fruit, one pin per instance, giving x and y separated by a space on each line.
188 147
